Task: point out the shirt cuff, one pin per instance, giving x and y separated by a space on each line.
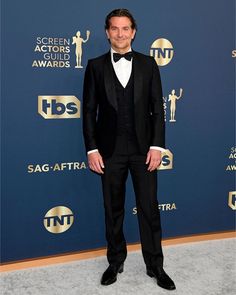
92 151
157 148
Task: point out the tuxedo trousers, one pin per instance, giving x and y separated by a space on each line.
127 158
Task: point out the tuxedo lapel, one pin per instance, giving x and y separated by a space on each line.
109 81
138 81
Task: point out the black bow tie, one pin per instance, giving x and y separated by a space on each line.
118 56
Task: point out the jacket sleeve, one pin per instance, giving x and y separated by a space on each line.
157 109
90 105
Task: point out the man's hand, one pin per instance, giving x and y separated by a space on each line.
95 162
153 159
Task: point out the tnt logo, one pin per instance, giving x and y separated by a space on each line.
167 161
162 51
232 200
58 107
58 219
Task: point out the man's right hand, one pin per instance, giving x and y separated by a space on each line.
95 162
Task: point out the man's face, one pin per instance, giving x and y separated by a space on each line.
120 33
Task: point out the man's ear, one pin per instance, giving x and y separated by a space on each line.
107 34
134 32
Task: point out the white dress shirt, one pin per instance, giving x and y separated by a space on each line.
123 69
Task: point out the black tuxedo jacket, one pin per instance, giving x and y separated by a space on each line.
100 104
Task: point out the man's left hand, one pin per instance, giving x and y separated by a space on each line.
153 159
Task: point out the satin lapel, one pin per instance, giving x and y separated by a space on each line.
138 81
109 82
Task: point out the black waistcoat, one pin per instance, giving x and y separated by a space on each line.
125 101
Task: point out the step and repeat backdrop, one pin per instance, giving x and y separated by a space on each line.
51 202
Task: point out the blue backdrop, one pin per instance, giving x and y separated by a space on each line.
43 158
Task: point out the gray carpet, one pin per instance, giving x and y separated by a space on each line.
206 268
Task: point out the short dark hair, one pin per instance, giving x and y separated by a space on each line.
120 12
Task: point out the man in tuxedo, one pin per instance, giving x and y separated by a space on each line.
123 125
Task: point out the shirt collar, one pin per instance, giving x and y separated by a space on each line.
113 51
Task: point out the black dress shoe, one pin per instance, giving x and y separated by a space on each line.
110 275
163 280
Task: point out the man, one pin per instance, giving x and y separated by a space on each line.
123 125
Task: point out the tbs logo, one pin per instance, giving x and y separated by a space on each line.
167 161
58 107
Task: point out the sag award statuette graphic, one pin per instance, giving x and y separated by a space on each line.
77 40
173 98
